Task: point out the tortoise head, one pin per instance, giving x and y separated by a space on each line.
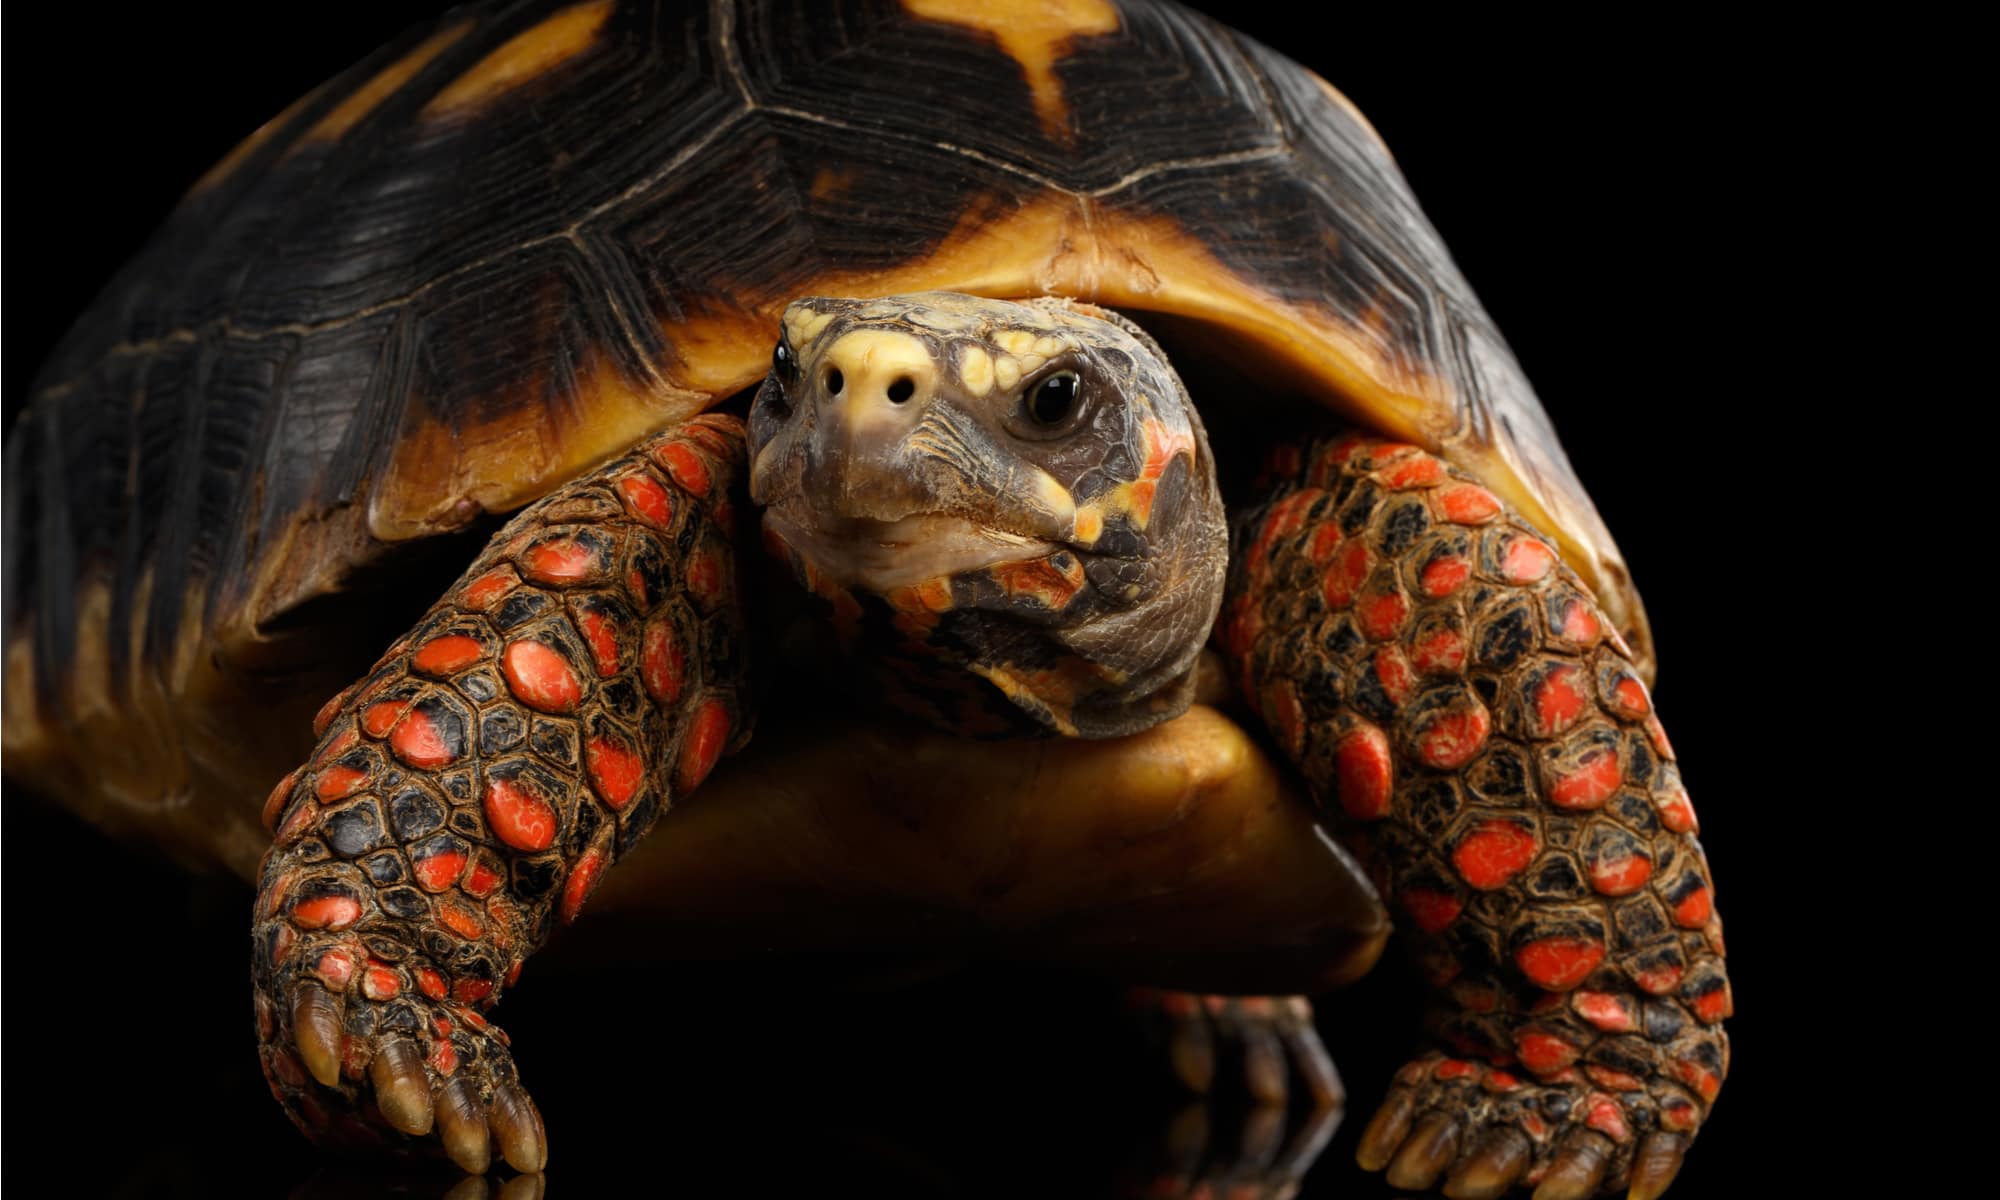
1018 490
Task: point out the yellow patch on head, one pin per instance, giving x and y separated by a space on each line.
527 55
975 370
1048 347
1006 372
1034 33
386 82
1015 341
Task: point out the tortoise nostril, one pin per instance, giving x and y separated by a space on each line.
835 380
902 390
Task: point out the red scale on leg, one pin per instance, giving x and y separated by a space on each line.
1589 783
540 677
431 735
1608 1011
685 467
1448 738
1432 910
1444 575
1466 504
1556 700
707 736
328 711
1365 777
577 888
486 875
1344 578
440 869
326 912
1417 471
603 632
274 804
483 593
662 664
1525 560
1393 672
1561 962
443 657
519 814
1438 649
380 717
1382 611
1494 852
647 500
616 770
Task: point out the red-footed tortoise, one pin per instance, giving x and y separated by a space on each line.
516 245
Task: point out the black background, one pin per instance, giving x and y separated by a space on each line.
1616 194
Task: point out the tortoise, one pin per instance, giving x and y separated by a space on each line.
447 317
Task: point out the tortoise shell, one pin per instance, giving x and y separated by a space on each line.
511 242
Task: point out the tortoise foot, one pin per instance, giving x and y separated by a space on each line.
1482 1131
1267 1042
361 1056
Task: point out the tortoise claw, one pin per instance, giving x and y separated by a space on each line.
1578 1168
462 1126
1655 1165
1386 1130
1430 1148
1495 1162
402 1089
316 1022
517 1126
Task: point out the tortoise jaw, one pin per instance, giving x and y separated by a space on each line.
883 555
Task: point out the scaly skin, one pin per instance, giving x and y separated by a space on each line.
472 789
1458 703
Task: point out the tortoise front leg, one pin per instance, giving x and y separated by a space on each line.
1454 695
472 790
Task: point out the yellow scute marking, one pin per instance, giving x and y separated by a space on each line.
386 82
975 370
1034 33
525 56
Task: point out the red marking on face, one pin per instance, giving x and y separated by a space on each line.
541 677
1040 581
1362 765
1441 651
1325 540
1467 504
1344 578
1431 910
339 782
484 878
1493 853
1713 1005
602 634
662 665
1448 739
430 983
326 912
336 968
707 734
342 742
582 878
1628 698
1381 614
704 577
647 500
1559 963
461 920
380 717
489 589
1677 811
1525 560
274 804
1608 1012
448 655
1418 471
1621 876
444 1059
439 871
1590 784
380 983
1557 700
685 467
1692 910
328 711
1393 671
418 743
1606 1117
520 817
1444 575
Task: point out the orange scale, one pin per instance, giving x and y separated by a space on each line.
1433 911
602 635
647 500
1443 576
471 991
1693 910
1441 652
1449 739
685 467
1589 785
380 717
439 871
1363 768
1525 560
1467 504
430 983
448 655
1414 472
1494 853
577 888
1343 580
707 734
444 1059
1381 615
1621 876
1606 1116
418 743
489 589
461 920
1605 1011
483 879
1544 1053
518 816
274 804
326 912
328 711
1393 671
1559 963
1558 700
662 663
540 677
380 983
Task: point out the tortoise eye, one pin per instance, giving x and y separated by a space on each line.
783 364
1051 401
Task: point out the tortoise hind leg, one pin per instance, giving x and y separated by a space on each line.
1454 696
471 791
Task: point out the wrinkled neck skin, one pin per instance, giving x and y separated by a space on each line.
1010 509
